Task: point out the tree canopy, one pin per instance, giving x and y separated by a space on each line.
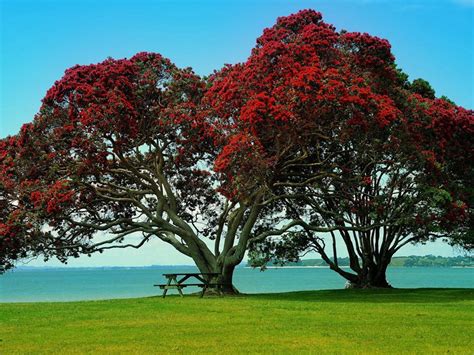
316 134
374 161
121 152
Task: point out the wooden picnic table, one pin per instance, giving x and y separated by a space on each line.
178 284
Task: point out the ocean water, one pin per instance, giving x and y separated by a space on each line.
32 285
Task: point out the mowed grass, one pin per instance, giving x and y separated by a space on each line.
342 321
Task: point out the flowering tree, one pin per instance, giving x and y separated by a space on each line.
120 154
11 248
317 132
358 153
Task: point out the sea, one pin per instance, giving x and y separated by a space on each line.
76 284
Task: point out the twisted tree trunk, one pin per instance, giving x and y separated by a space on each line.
222 284
371 275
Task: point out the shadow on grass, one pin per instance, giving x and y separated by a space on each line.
420 295
417 295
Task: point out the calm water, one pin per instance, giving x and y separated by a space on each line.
87 284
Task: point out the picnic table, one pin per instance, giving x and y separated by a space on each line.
178 284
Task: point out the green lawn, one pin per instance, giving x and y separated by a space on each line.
349 321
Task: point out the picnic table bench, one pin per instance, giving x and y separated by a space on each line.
178 284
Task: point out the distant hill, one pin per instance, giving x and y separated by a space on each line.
398 261
46 268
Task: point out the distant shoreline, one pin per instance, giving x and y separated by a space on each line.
466 261
412 261
158 267
348 267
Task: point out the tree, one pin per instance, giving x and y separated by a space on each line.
119 154
422 88
317 132
11 248
365 159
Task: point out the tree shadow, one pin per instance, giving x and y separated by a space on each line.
395 295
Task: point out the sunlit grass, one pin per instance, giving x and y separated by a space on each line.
351 321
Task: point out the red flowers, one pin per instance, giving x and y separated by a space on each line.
233 150
312 109
36 198
367 180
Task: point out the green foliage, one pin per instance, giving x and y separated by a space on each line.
423 88
402 78
447 99
438 196
278 252
345 321
431 260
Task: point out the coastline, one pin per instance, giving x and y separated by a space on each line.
348 267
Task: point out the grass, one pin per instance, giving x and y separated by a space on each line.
342 321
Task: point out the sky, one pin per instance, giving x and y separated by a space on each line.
39 40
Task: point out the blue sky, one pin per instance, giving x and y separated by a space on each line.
40 39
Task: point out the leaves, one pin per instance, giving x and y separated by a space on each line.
316 126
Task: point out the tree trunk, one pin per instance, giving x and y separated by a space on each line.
223 282
371 276
225 279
